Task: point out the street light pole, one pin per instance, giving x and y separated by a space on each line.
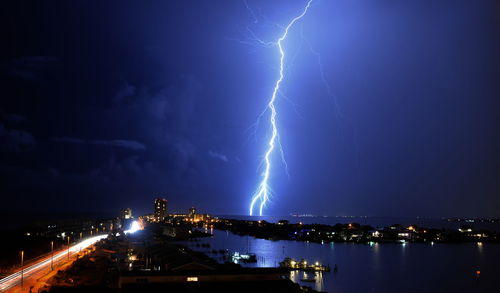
52 255
68 247
22 268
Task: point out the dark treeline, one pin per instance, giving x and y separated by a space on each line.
353 232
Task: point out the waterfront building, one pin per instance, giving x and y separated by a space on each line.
126 214
160 209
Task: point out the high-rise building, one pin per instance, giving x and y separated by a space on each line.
126 217
192 212
160 209
126 213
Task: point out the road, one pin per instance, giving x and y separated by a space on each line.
32 272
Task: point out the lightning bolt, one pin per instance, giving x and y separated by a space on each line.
263 190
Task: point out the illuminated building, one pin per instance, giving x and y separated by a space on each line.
126 214
160 209
192 212
200 217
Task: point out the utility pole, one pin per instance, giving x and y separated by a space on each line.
22 269
52 255
68 247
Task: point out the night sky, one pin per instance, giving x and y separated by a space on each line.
109 104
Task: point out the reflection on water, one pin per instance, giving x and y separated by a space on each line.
313 279
373 267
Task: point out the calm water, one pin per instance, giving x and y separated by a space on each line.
378 268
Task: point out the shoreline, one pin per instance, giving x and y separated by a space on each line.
354 232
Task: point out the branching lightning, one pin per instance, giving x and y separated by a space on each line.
263 191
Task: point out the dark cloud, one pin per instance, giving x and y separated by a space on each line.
218 156
128 144
16 140
162 118
15 118
30 67
126 90
71 140
165 119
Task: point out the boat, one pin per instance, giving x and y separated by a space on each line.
246 258
303 265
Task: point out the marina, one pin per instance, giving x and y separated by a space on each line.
373 268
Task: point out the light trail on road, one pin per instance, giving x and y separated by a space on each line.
15 278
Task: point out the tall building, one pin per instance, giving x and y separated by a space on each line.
126 213
160 209
192 212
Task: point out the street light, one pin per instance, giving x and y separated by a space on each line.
81 235
68 247
22 268
52 255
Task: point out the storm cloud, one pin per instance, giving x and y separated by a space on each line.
128 144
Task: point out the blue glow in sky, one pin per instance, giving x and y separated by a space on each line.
126 101
263 190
